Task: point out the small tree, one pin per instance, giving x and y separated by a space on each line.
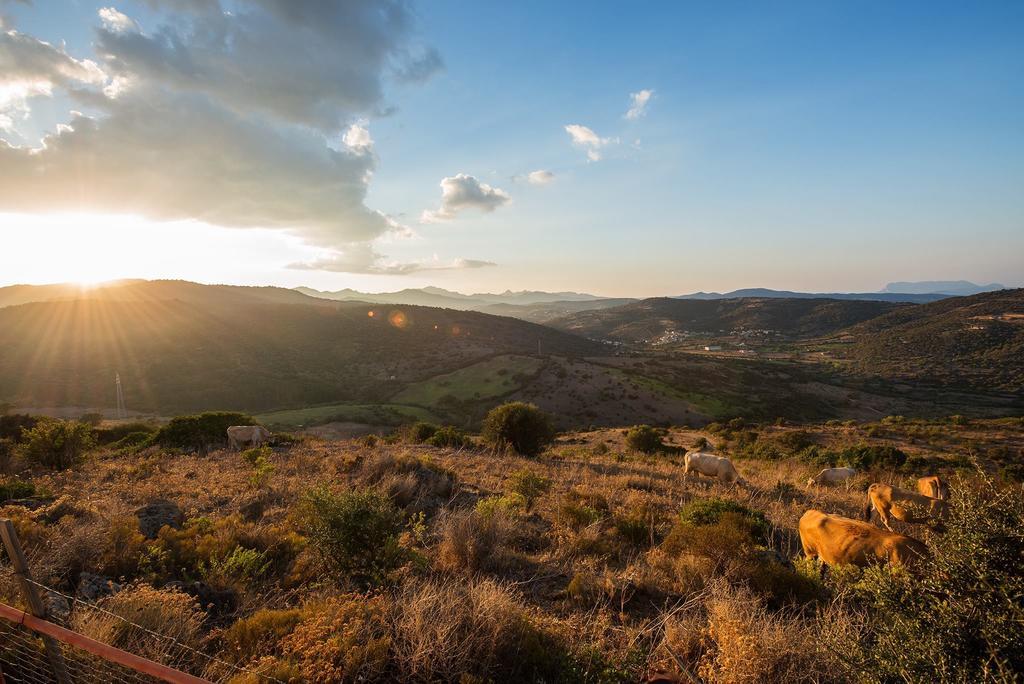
57 444
355 534
521 426
643 438
200 431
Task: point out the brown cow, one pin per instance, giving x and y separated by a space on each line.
891 502
933 486
841 541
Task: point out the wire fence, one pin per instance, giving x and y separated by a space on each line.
65 639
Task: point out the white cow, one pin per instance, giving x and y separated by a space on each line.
719 467
247 434
832 476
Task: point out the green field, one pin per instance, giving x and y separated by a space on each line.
716 407
485 380
374 414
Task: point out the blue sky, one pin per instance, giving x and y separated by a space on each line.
810 146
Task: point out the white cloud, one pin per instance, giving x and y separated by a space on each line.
362 258
223 117
540 177
588 140
32 68
116 21
357 137
318 64
174 157
461 192
638 103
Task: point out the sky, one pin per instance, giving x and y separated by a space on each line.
632 150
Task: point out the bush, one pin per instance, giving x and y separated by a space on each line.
529 485
523 427
111 434
134 441
960 620
258 633
794 441
470 631
643 438
92 419
341 639
474 540
57 444
355 533
703 512
450 437
420 432
16 489
201 431
165 617
13 425
866 456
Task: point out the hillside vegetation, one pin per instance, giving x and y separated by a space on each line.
182 347
650 318
390 560
975 342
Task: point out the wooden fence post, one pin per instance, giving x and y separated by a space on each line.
35 602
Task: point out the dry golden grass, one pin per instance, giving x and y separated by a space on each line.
584 571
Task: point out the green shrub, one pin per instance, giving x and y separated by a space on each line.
521 426
450 437
866 456
577 516
355 533
703 512
529 485
764 450
259 459
794 441
57 444
959 620
643 438
420 432
111 434
13 425
16 489
201 431
134 441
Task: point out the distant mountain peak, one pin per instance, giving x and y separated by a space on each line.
957 288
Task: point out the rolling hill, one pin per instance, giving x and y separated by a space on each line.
649 319
181 346
975 341
762 292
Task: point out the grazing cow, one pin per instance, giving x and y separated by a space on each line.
712 466
891 502
933 486
841 541
247 434
832 476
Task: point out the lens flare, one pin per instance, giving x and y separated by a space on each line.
398 319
